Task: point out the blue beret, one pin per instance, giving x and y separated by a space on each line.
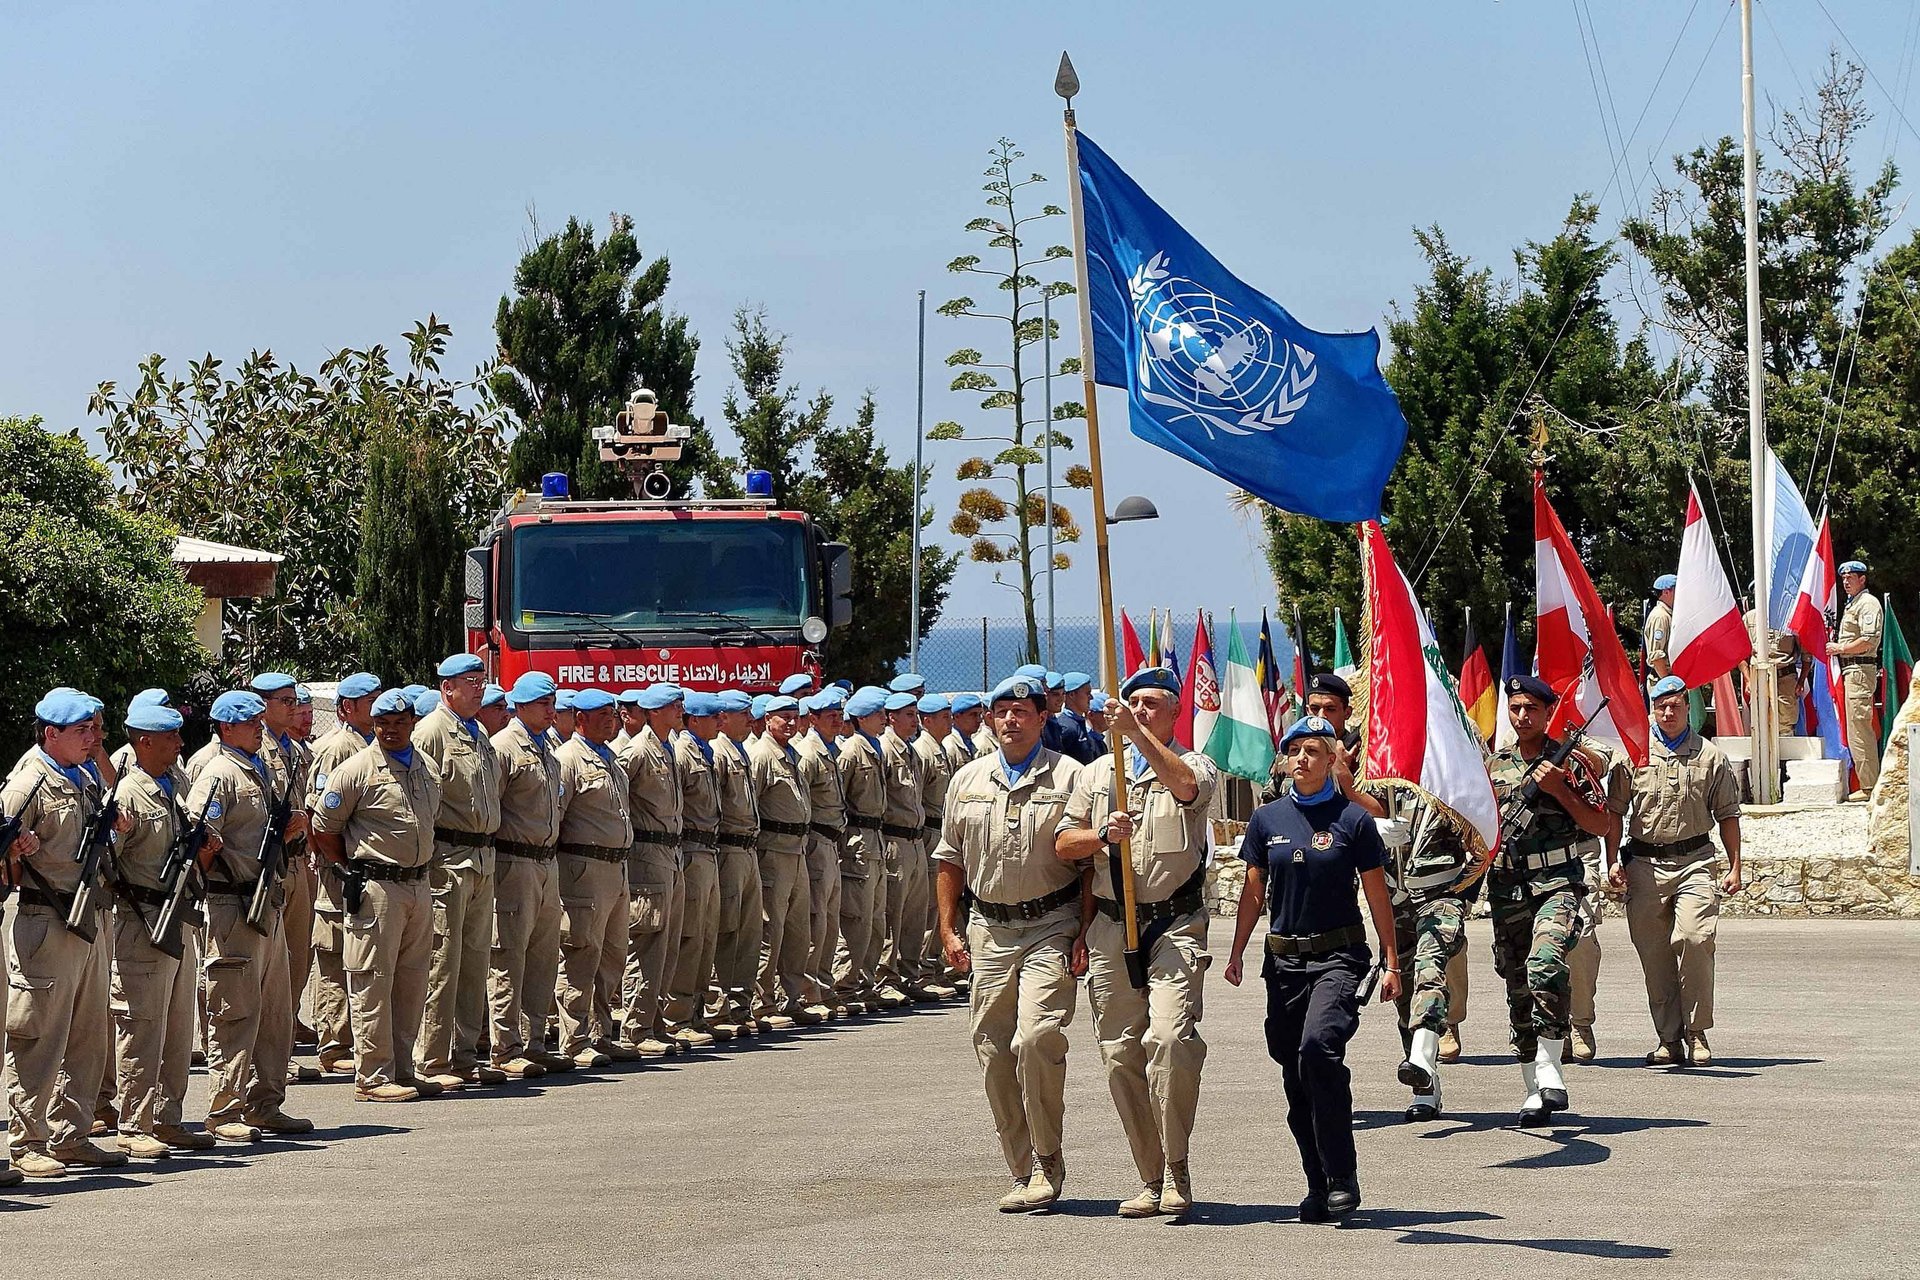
151 698
1098 702
933 704
1032 670
758 707
797 684
1532 687
702 704
778 702
492 696
1308 727
302 694
843 685
592 700
966 702
1853 566
426 702
831 696
89 699
532 687
563 699
1151 678
271 682
658 697
459 664
911 682
1327 682
357 685
392 703
413 690
1074 681
1665 582
734 700
236 706
151 717
901 701
1055 680
1019 688
866 700
1666 685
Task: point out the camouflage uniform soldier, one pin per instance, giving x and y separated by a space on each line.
1534 888
1428 867
1858 648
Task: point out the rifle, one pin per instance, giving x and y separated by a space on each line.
10 828
182 883
273 861
1523 806
95 857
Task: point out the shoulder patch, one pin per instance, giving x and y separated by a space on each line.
320 782
215 809
332 800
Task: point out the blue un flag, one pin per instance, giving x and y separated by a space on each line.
1220 374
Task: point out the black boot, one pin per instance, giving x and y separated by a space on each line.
1343 1197
1314 1207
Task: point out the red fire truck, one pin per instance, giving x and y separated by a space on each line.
709 594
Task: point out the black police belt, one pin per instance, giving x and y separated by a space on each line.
1540 857
1315 944
140 895
865 823
220 888
521 849
1647 849
700 836
899 832
1185 900
666 838
464 839
1860 661
826 829
784 828
1031 909
387 872
597 852
35 898
933 820
735 840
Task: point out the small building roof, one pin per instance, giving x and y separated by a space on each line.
226 572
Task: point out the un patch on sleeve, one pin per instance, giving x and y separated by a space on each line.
320 783
332 800
215 809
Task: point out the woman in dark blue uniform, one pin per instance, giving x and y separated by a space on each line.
1304 853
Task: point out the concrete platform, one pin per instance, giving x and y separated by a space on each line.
866 1150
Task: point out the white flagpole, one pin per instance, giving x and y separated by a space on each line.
1766 747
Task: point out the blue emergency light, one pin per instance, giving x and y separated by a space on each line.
759 484
553 485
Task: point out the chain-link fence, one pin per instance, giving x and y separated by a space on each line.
977 653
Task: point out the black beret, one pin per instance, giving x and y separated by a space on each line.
1327 682
1533 687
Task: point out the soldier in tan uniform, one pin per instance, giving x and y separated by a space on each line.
332 1024
249 1008
863 881
1023 943
461 878
1149 1038
1858 647
595 834
1787 659
494 713
524 960
153 992
289 761
58 1038
781 794
819 750
963 739
1686 789
686 1011
903 825
936 771
1659 635
301 879
656 885
737 942
376 824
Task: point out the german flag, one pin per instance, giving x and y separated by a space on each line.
1477 693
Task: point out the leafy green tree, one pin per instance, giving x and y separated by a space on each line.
273 458
1007 503
410 586
843 478
94 599
584 327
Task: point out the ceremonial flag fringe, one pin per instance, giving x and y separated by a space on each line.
1576 649
1132 656
1220 374
1267 667
1709 636
1420 738
1896 670
1476 686
1816 611
1504 735
1200 691
1242 739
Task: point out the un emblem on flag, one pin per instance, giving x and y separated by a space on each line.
1202 358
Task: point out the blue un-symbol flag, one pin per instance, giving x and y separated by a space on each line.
1220 374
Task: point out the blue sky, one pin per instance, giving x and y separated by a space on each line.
191 178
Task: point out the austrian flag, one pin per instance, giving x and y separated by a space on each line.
1709 637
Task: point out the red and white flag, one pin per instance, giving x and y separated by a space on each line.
1709 637
1199 692
1577 651
1815 611
1423 741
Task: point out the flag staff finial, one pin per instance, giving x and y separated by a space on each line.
1066 82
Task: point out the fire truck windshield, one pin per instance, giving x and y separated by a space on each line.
660 575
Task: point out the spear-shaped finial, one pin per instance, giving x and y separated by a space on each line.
1065 82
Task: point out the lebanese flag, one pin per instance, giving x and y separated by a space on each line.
1199 692
1709 636
1132 657
1576 649
1814 611
1425 743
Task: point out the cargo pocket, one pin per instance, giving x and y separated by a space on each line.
224 975
30 1002
576 924
504 926
648 912
133 976
358 943
327 932
1166 822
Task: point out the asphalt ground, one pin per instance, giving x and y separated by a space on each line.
865 1148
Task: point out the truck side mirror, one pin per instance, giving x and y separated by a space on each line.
839 558
479 580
